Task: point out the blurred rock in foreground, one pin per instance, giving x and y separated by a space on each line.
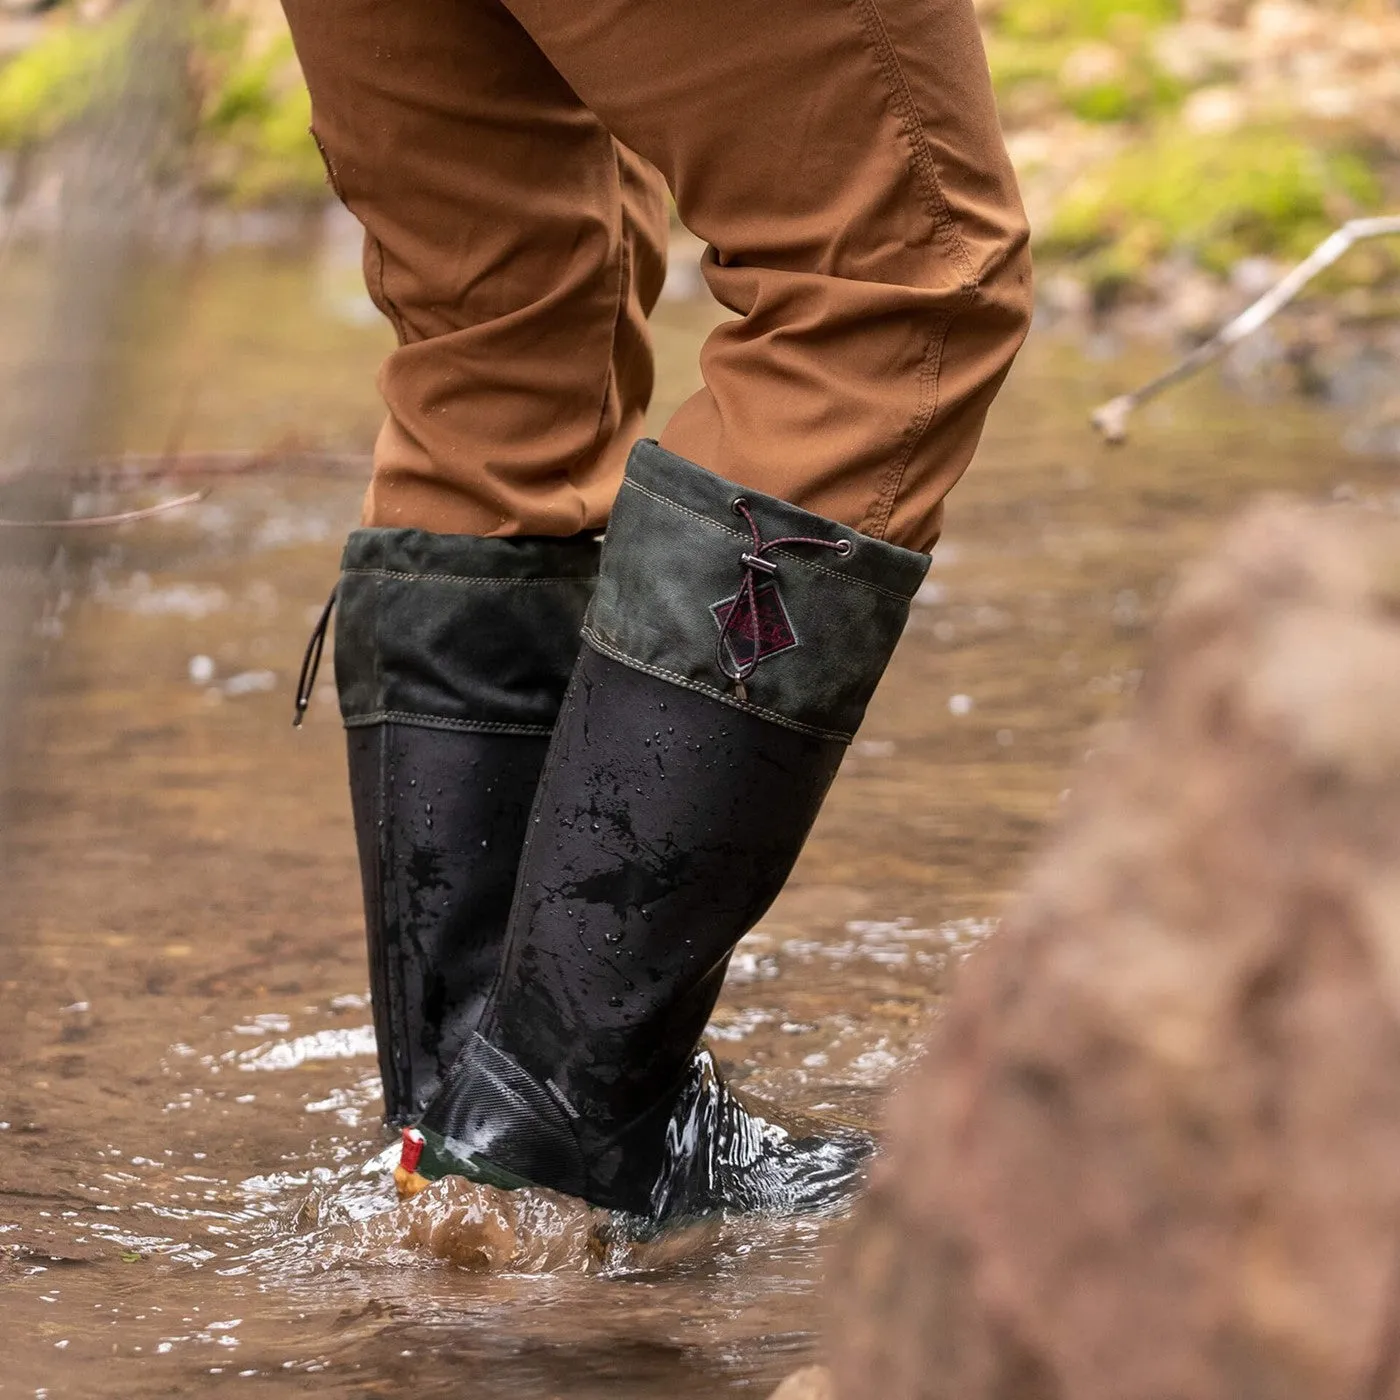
810 1383
1155 1149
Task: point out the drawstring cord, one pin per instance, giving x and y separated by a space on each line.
755 562
311 662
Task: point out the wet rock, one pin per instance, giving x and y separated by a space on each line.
810 1383
484 1230
1221 12
1377 430
1196 304
1212 109
1250 278
17 31
481 1229
1152 1152
1198 51
1092 65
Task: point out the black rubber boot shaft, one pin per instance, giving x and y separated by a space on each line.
664 828
440 818
452 657
674 803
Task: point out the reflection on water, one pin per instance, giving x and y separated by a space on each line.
190 1169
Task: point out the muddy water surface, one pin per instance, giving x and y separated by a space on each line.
189 1196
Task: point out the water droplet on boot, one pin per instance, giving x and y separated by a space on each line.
614 1001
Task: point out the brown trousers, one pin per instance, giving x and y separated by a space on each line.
841 158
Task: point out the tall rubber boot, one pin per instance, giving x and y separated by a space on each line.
452 657
730 651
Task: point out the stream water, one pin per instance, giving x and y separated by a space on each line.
189 1196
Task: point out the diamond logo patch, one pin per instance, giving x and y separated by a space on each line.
773 627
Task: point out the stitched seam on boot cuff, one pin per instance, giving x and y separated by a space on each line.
686 683
458 578
469 726
781 553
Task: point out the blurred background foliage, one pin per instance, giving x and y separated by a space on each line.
1187 135
249 110
1199 132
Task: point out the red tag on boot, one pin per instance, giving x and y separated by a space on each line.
412 1149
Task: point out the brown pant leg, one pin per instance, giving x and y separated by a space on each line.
843 160
515 247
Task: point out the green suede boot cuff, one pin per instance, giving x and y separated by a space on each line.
458 632
767 607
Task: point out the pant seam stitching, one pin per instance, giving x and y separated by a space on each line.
391 307
907 111
925 170
333 180
624 273
926 410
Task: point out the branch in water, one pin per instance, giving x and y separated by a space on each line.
1111 418
90 521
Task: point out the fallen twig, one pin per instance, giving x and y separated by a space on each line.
1111 418
116 472
90 521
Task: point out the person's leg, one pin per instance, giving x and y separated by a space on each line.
517 250
842 158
